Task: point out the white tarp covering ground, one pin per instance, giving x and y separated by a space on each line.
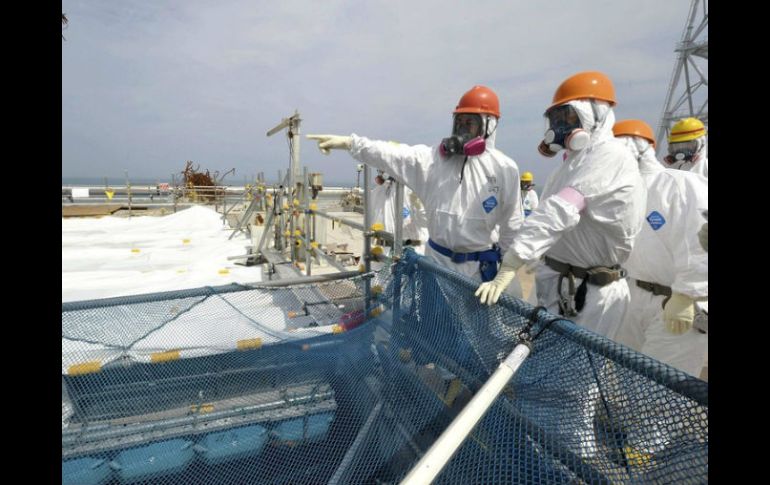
117 256
193 327
185 250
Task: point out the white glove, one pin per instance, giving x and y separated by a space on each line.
703 236
490 291
328 142
679 313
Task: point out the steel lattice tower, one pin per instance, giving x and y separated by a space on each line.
688 97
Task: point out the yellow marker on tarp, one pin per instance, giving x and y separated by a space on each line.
454 390
224 271
202 409
84 368
250 343
637 457
135 250
109 194
405 355
166 356
185 241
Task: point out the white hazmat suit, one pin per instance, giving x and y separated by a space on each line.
464 202
667 253
382 200
529 201
590 212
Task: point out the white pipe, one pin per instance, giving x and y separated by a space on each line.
436 458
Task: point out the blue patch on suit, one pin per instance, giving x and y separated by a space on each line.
405 212
489 204
656 220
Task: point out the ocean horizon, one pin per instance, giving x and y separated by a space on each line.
153 181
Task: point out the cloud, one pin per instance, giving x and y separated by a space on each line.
151 84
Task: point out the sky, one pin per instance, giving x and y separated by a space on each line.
149 85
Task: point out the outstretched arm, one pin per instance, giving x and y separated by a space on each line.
407 164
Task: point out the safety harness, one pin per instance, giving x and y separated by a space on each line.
571 304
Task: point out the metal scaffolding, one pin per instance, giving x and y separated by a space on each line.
687 94
292 206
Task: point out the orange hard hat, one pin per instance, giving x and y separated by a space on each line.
585 85
634 128
480 99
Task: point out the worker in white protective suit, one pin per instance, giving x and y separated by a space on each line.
688 147
591 210
667 269
529 199
668 277
468 187
382 200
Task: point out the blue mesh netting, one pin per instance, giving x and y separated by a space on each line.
290 385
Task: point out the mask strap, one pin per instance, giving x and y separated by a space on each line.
596 117
487 134
701 146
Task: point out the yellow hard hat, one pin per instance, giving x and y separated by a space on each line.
527 177
686 129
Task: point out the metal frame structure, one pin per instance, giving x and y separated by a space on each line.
688 97
257 407
296 187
